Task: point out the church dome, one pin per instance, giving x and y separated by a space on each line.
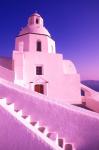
35 26
36 14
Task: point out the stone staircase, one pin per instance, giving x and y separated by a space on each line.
51 138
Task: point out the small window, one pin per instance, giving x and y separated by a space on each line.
39 70
39 46
37 21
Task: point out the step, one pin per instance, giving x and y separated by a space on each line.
53 136
11 106
16 110
61 142
49 137
46 131
8 102
3 101
2 98
42 129
28 119
19 113
68 146
35 124
24 116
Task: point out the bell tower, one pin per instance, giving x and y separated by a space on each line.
33 41
35 37
39 68
35 20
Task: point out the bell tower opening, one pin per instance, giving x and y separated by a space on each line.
37 21
38 46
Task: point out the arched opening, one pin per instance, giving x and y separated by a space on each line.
37 21
39 88
38 48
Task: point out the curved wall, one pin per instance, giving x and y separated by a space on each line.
77 125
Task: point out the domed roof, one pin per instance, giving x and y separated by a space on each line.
33 27
36 14
39 30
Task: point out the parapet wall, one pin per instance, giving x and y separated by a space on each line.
75 124
91 98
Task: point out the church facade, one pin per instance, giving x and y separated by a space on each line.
38 67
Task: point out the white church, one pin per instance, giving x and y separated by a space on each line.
38 67
37 91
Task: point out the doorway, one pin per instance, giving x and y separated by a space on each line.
39 88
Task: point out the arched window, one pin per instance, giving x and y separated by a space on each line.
37 21
38 47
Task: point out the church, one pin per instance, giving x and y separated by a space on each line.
39 95
38 67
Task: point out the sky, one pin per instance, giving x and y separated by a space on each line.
73 24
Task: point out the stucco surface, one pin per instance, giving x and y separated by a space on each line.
91 98
62 79
14 136
75 124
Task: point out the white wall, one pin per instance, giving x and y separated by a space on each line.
60 85
75 124
14 136
91 98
